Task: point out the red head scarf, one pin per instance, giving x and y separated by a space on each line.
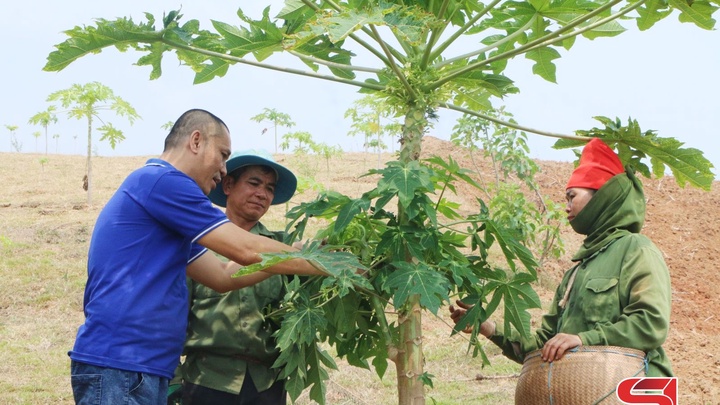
598 163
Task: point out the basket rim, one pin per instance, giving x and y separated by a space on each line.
627 351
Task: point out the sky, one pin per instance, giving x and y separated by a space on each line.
667 78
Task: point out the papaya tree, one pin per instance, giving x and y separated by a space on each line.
326 151
373 119
536 221
276 118
36 135
422 251
14 142
87 102
44 119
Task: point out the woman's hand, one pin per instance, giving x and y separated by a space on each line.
556 347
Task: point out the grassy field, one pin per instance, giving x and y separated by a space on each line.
45 228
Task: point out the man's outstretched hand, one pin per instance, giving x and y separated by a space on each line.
456 314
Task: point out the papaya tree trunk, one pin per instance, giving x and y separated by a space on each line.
411 390
410 358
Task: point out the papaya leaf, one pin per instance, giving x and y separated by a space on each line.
405 179
216 68
122 33
348 212
451 171
651 12
696 12
473 317
317 375
410 279
339 25
688 165
544 67
511 247
333 263
518 296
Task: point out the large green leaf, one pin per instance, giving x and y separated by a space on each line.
688 165
651 12
544 66
405 179
518 296
332 262
417 278
339 25
122 33
696 12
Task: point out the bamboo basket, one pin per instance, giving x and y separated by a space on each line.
585 375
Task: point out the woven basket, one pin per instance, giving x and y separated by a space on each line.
585 375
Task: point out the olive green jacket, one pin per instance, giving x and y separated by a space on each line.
228 336
621 292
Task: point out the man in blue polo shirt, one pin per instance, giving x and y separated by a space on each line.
158 225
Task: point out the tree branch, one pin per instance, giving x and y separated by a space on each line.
510 124
497 44
396 69
270 67
553 37
334 64
354 37
463 29
434 36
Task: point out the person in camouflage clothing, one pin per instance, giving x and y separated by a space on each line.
618 293
229 348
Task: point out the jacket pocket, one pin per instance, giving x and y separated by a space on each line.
601 302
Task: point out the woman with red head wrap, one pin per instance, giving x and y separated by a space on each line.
618 293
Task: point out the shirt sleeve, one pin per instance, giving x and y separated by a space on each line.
178 202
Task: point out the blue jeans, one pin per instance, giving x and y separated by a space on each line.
94 385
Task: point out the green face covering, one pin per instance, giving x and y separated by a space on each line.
616 209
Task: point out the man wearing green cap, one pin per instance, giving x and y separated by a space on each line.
229 347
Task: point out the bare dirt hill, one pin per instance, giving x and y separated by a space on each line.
45 228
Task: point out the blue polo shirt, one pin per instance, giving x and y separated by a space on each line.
136 298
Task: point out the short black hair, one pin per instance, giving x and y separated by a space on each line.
190 121
235 174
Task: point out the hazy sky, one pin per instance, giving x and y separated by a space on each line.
667 78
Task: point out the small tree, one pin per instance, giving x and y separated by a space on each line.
86 102
43 161
15 143
302 141
536 222
367 115
327 152
276 118
167 126
37 135
56 137
44 119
